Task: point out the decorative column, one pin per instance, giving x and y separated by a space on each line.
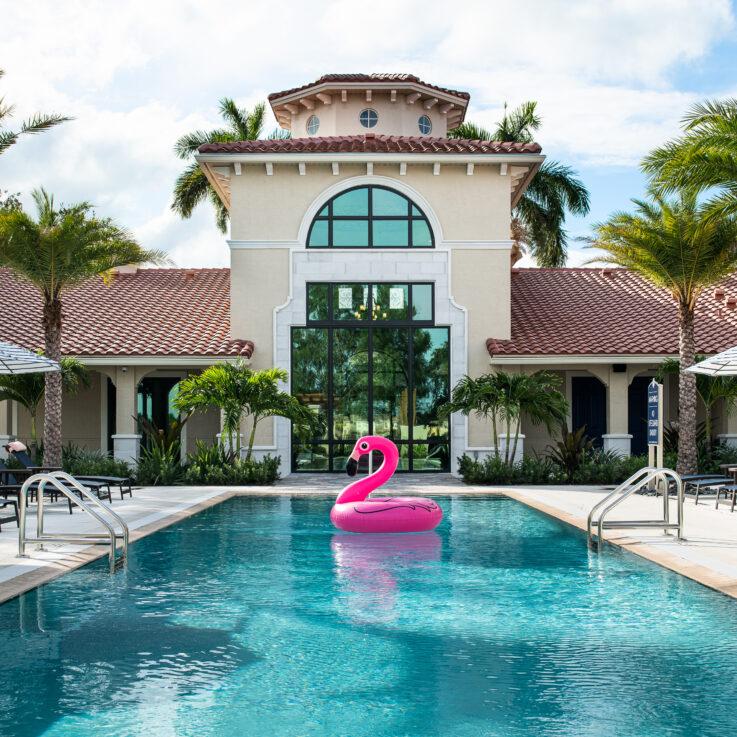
730 437
126 441
5 426
618 439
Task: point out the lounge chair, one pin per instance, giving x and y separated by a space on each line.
708 482
17 477
125 484
5 502
11 482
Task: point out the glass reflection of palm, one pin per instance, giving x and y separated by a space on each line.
368 568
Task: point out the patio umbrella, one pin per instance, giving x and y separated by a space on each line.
17 360
723 364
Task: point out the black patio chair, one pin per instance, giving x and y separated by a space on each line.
124 484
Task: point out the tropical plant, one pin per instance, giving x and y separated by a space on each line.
28 390
215 466
239 392
703 159
62 248
710 389
9 200
37 124
82 462
158 466
165 437
539 216
192 186
570 451
506 397
677 246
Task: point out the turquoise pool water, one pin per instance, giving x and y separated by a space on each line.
257 618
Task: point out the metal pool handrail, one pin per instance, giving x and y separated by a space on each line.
634 483
55 478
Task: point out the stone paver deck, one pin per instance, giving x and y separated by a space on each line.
708 555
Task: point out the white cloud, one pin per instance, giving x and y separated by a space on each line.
136 75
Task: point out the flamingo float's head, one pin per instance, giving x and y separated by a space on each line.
362 446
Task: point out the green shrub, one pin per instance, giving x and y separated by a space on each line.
214 466
159 466
598 467
532 469
82 462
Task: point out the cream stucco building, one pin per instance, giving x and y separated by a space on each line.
370 258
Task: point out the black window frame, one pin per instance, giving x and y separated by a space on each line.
370 218
405 322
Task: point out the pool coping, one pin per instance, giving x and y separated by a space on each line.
50 570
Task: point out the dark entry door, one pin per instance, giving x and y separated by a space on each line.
588 406
637 413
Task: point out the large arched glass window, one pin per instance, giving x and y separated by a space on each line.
370 217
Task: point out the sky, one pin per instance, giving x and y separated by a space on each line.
612 80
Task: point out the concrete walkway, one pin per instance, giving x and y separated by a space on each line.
709 554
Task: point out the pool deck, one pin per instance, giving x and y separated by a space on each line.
708 555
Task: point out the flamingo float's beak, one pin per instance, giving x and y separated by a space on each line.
351 466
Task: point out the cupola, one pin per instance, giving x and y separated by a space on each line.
383 104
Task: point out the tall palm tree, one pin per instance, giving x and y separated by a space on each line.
704 158
541 211
678 246
192 186
62 248
37 124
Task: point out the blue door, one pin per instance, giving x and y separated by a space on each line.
588 406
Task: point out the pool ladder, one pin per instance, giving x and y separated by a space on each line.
84 498
650 477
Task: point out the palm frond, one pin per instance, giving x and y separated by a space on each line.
190 189
470 131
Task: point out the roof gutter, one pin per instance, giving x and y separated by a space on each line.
551 358
399 158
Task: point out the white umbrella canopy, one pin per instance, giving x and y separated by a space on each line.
17 360
723 364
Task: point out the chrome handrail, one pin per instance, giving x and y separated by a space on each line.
635 482
55 479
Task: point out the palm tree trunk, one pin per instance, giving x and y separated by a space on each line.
251 438
496 436
52 393
707 430
507 427
516 438
687 455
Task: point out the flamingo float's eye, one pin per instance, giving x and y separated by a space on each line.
364 446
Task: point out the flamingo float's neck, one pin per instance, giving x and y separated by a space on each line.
360 489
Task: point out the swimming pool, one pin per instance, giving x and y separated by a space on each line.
256 617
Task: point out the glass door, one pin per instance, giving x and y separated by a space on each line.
371 362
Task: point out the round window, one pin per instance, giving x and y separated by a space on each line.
313 124
424 124
368 118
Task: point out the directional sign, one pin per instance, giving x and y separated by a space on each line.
652 413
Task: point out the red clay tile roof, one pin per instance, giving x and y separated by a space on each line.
155 312
583 311
370 143
368 79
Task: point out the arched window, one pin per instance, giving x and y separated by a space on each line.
370 217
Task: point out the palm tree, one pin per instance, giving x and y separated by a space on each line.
28 389
62 248
192 186
541 211
239 391
704 158
710 389
37 124
505 397
675 245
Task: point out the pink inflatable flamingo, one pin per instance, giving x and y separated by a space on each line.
353 512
